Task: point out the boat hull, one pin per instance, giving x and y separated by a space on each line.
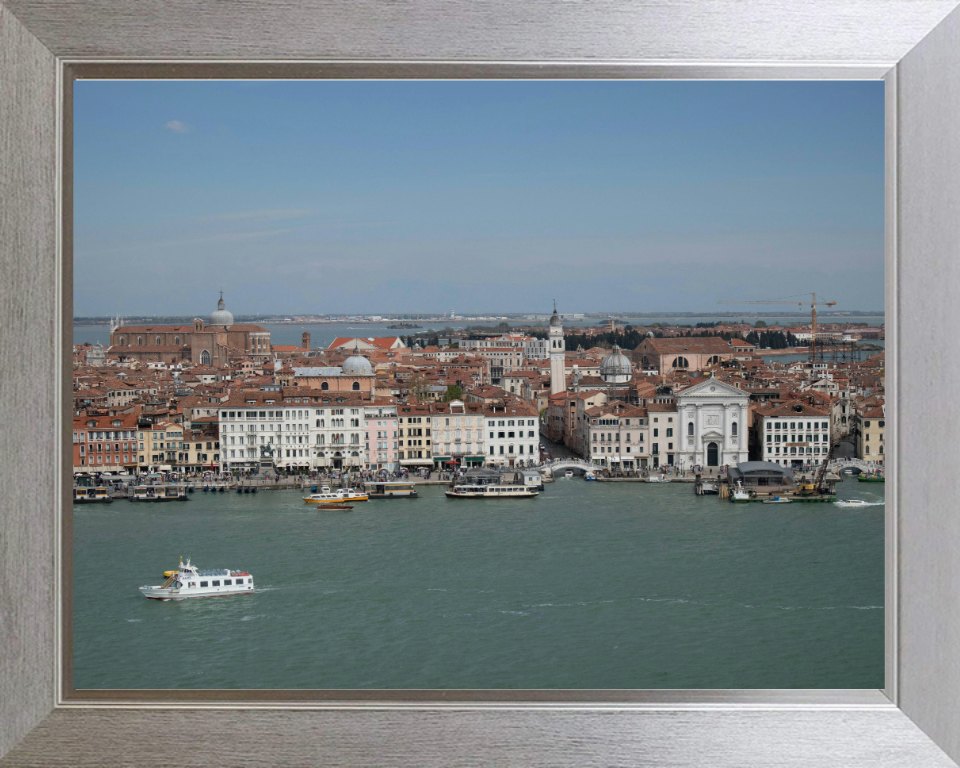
158 593
528 495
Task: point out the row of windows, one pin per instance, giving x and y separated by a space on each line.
510 450
815 437
610 437
881 424
797 425
216 583
506 435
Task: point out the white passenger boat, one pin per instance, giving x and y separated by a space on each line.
188 581
852 503
340 496
491 491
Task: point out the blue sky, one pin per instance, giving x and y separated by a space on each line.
363 197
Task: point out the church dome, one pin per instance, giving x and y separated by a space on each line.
555 320
222 316
357 365
616 367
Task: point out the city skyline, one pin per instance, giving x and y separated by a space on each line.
309 198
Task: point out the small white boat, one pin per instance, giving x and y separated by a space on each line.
777 500
740 495
568 473
852 503
188 581
656 479
590 476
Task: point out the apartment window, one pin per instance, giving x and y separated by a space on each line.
656 432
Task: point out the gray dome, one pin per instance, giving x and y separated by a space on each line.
616 366
357 365
222 316
555 320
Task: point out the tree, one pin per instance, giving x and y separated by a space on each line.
418 386
454 392
759 324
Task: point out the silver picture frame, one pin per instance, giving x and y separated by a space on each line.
913 45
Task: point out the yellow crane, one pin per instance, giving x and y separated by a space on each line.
813 315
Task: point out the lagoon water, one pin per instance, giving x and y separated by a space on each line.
590 585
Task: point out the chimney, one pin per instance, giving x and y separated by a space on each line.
305 340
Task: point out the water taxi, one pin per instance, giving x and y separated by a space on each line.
397 489
852 503
341 496
588 475
491 491
159 493
568 473
188 581
91 496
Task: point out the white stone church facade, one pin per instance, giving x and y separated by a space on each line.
713 425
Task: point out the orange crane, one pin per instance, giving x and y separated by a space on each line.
813 313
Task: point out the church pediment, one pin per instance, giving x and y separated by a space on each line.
712 434
711 389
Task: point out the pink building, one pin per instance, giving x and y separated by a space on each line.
380 423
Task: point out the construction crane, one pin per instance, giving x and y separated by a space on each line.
813 315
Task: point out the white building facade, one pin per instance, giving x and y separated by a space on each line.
712 425
558 381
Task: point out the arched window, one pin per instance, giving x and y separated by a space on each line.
680 362
356 386
733 429
644 360
122 342
324 386
713 360
205 358
139 341
320 438
881 450
690 428
158 341
176 340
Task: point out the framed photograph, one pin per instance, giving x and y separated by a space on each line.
909 51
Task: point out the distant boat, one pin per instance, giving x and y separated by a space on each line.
777 500
568 473
852 503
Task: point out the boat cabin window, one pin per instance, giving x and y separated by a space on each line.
204 583
216 583
239 581
227 582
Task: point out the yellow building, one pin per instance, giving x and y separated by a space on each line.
871 427
160 447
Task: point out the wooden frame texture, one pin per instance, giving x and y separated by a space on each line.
914 45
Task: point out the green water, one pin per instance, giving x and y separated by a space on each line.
590 585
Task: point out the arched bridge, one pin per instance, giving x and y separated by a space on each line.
862 464
559 465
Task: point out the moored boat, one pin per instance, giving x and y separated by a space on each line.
395 489
159 493
777 500
91 496
876 477
660 479
189 581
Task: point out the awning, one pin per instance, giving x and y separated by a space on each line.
409 462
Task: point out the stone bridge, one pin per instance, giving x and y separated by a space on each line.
559 465
864 466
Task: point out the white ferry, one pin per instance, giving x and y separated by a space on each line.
188 581
91 496
397 489
341 496
491 491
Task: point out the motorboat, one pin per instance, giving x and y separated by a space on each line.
189 581
590 475
341 496
740 494
568 473
777 500
853 503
